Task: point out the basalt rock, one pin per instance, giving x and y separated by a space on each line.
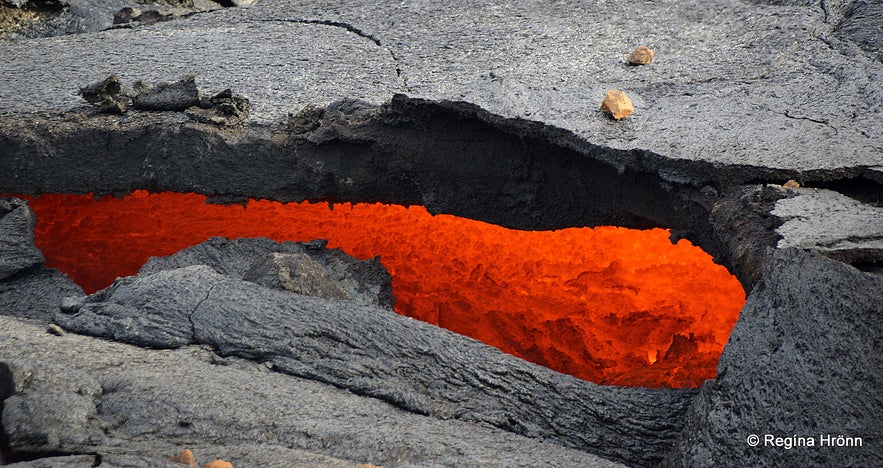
477 110
374 352
107 96
786 371
177 96
366 282
297 273
131 405
17 249
36 293
27 288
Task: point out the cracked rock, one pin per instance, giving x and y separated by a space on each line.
378 353
129 310
785 357
831 223
306 120
153 398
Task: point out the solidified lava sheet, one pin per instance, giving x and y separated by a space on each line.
609 305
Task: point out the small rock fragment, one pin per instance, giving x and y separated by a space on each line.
108 96
126 15
186 457
641 56
296 273
224 109
617 104
54 329
791 184
218 464
176 96
308 119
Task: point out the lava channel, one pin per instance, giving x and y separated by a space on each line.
609 305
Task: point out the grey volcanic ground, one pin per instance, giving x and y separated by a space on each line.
488 110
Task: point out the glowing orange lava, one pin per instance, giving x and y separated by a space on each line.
608 305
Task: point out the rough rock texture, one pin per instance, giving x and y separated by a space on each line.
17 249
136 407
785 68
72 461
37 294
801 361
641 56
176 96
617 104
61 17
366 282
484 109
108 95
373 352
27 288
838 226
297 273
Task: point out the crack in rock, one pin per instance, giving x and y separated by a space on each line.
403 83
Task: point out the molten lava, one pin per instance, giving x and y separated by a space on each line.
608 305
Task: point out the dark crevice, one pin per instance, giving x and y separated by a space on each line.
193 338
870 267
357 31
859 188
823 4
451 157
7 388
336 24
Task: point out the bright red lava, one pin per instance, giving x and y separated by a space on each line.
608 305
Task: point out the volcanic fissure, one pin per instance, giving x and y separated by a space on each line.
609 305
635 305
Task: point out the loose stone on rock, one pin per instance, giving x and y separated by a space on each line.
126 15
218 464
54 329
224 109
641 56
186 457
176 96
108 96
617 104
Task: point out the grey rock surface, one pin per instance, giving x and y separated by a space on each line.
296 273
63 17
726 74
801 361
27 288
378 353
175 96
365 282
741 92
136 406
36 295
829 222
17 248
72 461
